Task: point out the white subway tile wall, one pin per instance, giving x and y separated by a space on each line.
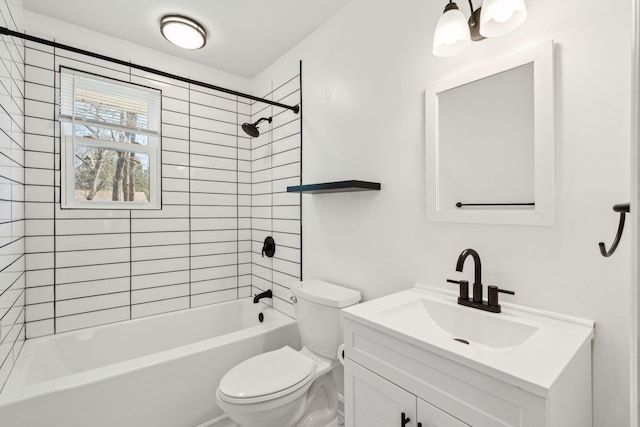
91 267
13 159
276 162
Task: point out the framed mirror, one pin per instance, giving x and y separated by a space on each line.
490 142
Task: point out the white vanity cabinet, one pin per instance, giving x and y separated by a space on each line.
394 367
376 402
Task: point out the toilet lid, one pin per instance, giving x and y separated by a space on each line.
267 374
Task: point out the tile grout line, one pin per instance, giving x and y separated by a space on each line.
300 181
237 203
271 182
56 141
131 249
190 193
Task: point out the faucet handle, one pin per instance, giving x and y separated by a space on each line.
464 288
493 294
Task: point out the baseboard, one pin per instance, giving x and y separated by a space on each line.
219 420
214 422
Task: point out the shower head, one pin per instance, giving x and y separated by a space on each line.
251 129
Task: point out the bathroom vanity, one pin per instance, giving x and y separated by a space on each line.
418 359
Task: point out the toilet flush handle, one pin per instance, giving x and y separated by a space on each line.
293 299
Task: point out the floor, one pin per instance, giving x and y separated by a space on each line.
229 423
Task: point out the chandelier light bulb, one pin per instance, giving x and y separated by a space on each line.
499 17
452 35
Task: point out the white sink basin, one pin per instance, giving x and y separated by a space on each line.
464 324
519 343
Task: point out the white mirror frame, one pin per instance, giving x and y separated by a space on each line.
544 141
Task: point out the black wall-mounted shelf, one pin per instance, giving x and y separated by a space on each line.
335 187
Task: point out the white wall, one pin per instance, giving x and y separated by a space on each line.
364 75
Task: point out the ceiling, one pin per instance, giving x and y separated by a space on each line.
244 36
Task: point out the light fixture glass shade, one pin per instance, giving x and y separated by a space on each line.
183 32
452 35
498 17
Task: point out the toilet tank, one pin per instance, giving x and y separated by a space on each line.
318 314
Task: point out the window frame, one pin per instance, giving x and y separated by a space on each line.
68 144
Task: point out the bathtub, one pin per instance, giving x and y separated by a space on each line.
156 371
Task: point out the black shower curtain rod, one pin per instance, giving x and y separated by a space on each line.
8 32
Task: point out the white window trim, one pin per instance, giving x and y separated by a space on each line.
69 143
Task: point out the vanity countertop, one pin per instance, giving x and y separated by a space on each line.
526 347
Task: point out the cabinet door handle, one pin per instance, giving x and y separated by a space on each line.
404 420
419 424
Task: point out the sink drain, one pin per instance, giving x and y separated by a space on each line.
461 340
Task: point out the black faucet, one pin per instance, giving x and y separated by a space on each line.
265 294
492 304
477 275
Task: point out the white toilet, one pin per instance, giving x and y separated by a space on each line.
285 388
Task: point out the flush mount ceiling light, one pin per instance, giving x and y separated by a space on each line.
183 32
454 33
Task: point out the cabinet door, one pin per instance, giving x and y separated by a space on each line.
372 401
430 416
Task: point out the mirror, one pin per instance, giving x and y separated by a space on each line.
490 142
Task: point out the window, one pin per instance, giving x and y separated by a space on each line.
110 134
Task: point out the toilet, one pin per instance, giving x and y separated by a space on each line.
285 387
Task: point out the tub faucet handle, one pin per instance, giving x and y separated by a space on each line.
269 247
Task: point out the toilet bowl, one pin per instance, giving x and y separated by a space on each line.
277 388
285 387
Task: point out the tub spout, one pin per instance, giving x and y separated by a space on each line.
265 294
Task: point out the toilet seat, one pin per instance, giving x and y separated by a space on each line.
266 377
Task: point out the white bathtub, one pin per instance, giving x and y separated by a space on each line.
156 371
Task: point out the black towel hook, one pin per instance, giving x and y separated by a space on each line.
623 208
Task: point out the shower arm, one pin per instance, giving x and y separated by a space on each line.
262 120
